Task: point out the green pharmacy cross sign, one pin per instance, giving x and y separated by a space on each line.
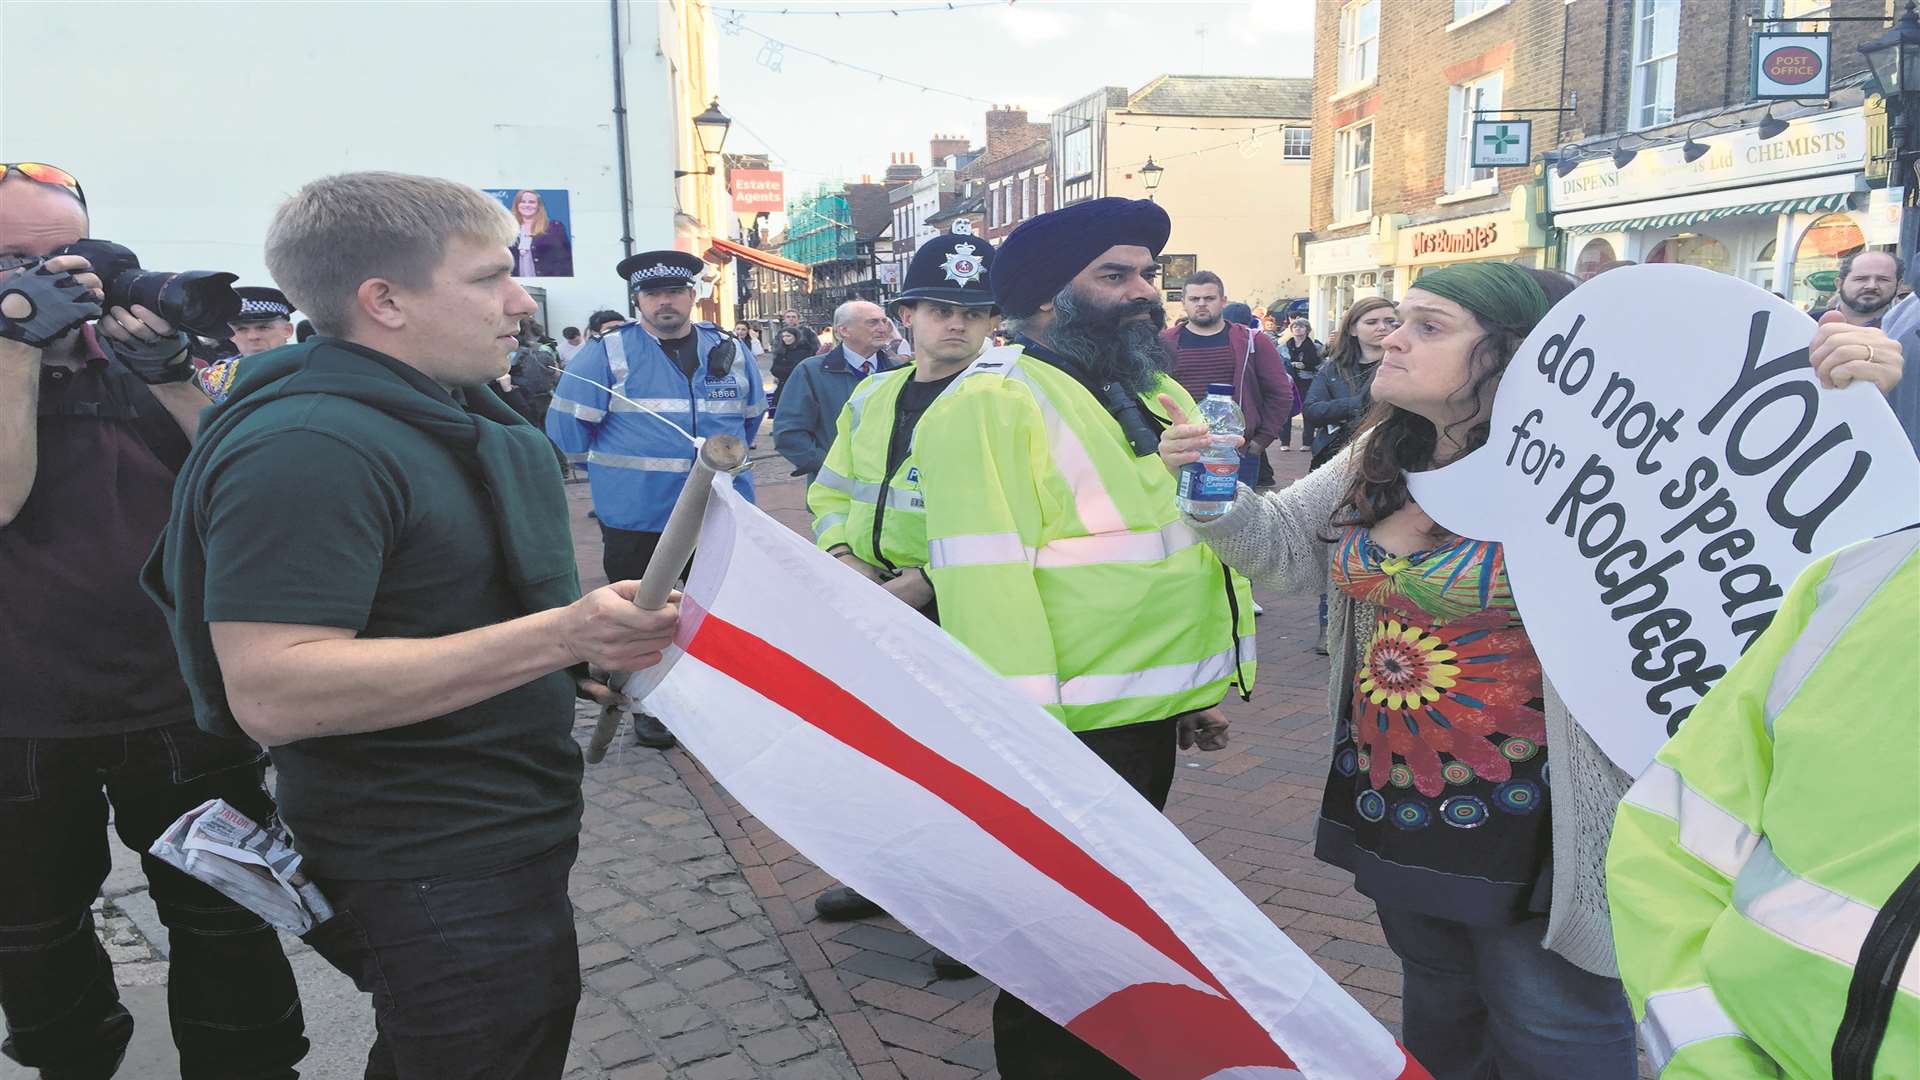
1501 144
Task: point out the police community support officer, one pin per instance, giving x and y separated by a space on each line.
693 374
265 322
866 502
1054 545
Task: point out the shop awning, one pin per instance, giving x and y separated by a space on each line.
722 250
1807 204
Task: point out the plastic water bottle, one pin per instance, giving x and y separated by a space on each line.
1207 486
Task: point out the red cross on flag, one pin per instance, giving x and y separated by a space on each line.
882 750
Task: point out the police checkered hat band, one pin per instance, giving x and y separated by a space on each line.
666 269
261 303
264 309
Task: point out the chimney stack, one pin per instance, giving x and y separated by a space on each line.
1006 131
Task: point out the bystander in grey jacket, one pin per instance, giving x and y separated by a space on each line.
1276 539
1902 324
810 404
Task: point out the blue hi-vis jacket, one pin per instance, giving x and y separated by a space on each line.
636 463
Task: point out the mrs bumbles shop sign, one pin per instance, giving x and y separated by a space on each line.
1466 241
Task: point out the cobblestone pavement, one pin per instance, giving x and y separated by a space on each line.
700 953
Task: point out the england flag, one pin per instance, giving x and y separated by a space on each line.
883 751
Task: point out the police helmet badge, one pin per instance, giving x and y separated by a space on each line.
961 264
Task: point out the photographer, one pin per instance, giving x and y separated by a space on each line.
94 422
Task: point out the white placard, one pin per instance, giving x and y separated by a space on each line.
1790 65
1501 143
1665 464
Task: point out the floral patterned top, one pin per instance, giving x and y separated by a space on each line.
1437 798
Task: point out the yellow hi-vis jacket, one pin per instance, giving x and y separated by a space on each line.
1750 863
1059 558
854 500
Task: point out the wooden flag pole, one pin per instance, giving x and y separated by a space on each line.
717 454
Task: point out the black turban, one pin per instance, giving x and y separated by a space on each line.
1038 259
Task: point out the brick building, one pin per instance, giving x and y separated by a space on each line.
1668 158
1394 92
1234 153
1012 178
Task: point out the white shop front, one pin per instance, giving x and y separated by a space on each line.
1342 270
1778 212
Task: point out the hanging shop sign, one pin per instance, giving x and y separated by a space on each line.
1791 65
1501 144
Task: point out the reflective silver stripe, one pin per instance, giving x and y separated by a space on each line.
1039 689
577 459
1090 499
1162 681
827 521
1855 574
863 492
831 479
1707 832
1117 548
1677 1018
980 549
584 412
647 464
1811 916
672 405
858 402
616 361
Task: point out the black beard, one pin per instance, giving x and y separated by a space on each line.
1112 346
1195 320
1853 304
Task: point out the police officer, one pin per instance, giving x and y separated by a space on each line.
693 375
866 503
265 322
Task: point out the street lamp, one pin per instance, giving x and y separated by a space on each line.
711 128
1894 58
1152 174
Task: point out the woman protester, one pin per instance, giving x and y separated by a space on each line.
1338 398
1489 883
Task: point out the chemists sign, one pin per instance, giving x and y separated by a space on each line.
1662 479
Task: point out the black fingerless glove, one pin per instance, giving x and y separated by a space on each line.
156 363
53 304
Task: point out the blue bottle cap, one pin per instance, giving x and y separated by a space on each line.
1220 388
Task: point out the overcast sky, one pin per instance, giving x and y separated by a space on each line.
824 122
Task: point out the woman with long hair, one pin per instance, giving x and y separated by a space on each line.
542 248
1488 880
1338 397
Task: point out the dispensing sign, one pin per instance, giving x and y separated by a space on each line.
1789 65
1501 144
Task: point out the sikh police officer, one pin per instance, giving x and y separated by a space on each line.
1053 542
866 502
695 375
265 322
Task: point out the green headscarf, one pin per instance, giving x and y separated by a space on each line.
1501 294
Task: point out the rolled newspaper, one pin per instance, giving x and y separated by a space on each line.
244 862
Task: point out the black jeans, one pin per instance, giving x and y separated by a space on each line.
624 554
1029 1046
231 999
473 976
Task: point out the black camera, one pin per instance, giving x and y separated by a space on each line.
200 301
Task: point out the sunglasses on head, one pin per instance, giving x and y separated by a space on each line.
42 173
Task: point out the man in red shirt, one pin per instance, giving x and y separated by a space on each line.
1208 348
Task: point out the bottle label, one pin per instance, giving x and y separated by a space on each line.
1207 482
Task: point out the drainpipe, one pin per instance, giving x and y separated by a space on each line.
620 138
